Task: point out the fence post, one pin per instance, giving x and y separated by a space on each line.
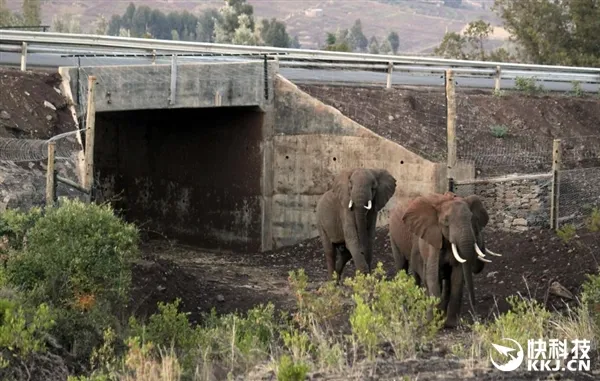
451 122
50 175
173 88
556 164
498 77
24 57
90 133
389 75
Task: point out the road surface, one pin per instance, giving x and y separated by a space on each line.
50 60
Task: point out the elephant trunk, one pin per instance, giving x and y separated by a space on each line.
360 215
466 250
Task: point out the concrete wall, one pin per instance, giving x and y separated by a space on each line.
197 182
311 143
144 87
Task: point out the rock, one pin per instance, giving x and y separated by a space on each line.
220 298
560 290
48 118
520 222
161 288
49 105
4 115
491 274
390 118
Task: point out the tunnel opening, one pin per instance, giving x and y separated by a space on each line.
193 175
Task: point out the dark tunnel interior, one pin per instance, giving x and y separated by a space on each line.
193 175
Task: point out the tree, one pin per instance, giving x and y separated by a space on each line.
476 34
101 25
231 16
6 16
273 33
373 45
32 13
244 35
452 46
335 44
205 28
394 41
356 38
385 47
553 32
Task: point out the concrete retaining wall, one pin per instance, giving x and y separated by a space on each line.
311 143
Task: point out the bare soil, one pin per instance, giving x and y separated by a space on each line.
416 119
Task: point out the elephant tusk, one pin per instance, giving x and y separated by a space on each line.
456 256
492 253
483 259
478 250
350 205
369 205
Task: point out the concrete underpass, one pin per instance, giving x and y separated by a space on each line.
191 174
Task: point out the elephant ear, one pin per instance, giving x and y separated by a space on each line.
421 218
386 186
480 214
341 187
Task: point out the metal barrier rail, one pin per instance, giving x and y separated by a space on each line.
111 46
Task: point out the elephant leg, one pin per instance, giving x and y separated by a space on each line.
416 265
371 232
329 252
445 294
455 300
341 261
399 260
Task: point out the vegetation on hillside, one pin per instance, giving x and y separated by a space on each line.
542 32
65 283
354 40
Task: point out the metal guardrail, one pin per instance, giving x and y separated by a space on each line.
66 43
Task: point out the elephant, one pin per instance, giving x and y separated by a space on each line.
439 238
347 216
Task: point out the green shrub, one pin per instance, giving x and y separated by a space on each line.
289 370
77 259
393 312
15 224
526 320
499 130
590 297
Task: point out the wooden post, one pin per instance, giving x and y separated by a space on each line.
90 133
554 201
389 75
24 57
50 175
498 77
451 122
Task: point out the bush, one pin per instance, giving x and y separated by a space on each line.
77 259
392 312
526 320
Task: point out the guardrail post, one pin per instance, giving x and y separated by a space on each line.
90 135
498 77
51 175
554 201
153 56
173 79
389 75
24 56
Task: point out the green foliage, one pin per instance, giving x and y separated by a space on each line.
289 370
528 85
590 297
76 254
566 233
394 312
553 32
499 130
15 224
23 330
593 221
576 89
527 319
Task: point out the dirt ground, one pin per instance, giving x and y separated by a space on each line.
416 119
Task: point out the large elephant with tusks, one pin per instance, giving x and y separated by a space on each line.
347 216
440 238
